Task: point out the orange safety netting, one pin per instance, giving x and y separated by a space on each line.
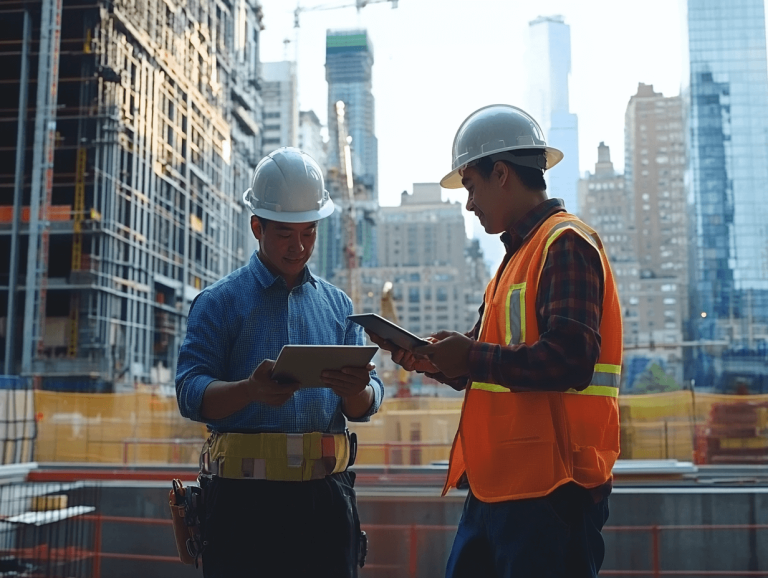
146 428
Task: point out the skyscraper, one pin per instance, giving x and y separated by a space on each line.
549 66
348 63
728 161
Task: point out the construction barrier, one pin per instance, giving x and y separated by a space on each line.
143 427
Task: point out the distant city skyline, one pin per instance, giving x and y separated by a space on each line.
419 106
433 69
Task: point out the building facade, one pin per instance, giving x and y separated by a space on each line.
549 68
641 219
311 137
279 92
655 161
140 188
438 274
727 108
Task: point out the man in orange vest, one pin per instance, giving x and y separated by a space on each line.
539 429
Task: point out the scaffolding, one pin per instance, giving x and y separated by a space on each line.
141 139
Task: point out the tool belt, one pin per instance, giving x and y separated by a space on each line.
277 456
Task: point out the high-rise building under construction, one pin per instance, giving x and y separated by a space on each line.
135 126
348 64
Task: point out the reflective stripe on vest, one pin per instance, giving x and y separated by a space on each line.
605 381
516 314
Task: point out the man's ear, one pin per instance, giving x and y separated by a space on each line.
501 170
256 227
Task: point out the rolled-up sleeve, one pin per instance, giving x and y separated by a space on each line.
354 336
202 355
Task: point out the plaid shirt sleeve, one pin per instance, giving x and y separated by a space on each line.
568 306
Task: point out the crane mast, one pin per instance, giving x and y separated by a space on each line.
347 188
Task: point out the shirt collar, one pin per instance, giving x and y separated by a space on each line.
267 278
531 221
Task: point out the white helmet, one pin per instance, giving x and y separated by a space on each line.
287 186
494 131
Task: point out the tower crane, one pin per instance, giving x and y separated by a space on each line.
359 4
347 189
388 312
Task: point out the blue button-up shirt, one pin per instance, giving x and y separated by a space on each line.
247 317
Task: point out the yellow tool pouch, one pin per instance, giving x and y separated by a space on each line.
275 456
185 506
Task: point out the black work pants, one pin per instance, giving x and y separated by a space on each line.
260 528
557 536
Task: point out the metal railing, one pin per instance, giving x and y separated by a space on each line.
412 550
415 535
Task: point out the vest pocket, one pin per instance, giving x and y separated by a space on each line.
520 467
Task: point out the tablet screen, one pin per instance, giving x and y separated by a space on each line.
388 330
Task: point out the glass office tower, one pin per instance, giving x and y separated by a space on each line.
728 175
549 67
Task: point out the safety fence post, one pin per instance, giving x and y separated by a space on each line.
413 563
655 557
97 545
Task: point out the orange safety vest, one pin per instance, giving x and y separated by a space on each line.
516 445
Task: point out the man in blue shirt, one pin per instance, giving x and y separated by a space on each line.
278 498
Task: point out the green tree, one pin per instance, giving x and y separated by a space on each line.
655 380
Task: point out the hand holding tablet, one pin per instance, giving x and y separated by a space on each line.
305 363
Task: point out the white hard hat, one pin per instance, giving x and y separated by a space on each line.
287 187
494 131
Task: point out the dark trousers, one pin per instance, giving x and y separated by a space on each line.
279 529
555 536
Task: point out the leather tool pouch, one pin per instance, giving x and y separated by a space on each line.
186 504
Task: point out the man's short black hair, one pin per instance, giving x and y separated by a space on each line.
263 222
531 178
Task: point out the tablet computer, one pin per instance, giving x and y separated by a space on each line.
304 363
388 330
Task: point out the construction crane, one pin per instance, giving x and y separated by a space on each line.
359 4
347 189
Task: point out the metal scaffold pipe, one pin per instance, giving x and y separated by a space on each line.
18 186
42 181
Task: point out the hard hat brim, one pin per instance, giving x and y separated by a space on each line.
453 179
303 217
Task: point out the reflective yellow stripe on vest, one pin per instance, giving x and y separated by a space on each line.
515 306
605 382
